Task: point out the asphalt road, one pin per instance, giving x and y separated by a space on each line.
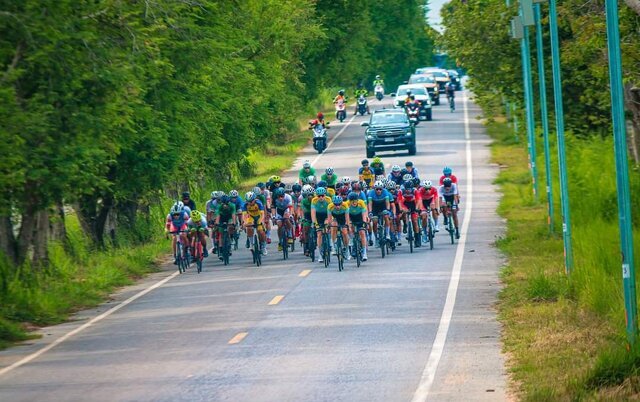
418 326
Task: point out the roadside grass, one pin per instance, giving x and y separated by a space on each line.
80 277
564 335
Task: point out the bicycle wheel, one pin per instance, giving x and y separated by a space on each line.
340 256
256 250
430 233
326 249
226 246
410 236
357 247
451 229
284 245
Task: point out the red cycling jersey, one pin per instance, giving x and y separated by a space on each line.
453 178
410 197
428 195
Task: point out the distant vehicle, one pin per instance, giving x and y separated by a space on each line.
389 130
429 83
441 75
455 78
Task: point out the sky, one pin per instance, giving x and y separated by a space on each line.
434 13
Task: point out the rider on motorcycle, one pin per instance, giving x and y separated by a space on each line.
318 120
361 91
378 81
340 97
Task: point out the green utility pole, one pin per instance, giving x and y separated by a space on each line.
543 112
622 170
525 49
562 160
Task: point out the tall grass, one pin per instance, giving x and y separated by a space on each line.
565 333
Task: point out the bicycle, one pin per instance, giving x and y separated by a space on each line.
381 236
325 251
255 249
309 245
340 248
452 105
225 249
430 229
197 253
409 225
357 242
181 254
448 218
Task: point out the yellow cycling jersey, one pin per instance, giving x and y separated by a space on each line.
338 209
358 208
254 209
330 192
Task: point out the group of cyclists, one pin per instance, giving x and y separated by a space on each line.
322 203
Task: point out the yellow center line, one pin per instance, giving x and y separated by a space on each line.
305 272
238 338
276 300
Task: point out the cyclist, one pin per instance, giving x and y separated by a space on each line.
395 210
226 211
379 204
282 210
264 195
449 199
408 199
330 177
395 175
254 215
450 90
305 172
187 201
330 192
235 198
211 207
410 169
176 223
447 172
377 166
365 174
319 214
197 225
305 212
429 198
359 219
296 195
274 183
338 213
311 180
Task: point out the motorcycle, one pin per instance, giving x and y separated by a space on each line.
319 138
379 90
341 110
413 111
362 105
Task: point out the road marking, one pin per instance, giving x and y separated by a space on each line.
86 325
429 373
305 273
333 140
276 300
238 338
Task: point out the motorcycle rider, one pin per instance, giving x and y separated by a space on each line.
378 81
340 98
318 120
361 91
411 103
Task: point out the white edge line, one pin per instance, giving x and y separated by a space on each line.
333 140
86 325
429 373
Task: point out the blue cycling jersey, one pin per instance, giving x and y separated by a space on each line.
379 198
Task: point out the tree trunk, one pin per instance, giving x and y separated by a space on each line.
8 244
93 213
57 226
40 240
632 99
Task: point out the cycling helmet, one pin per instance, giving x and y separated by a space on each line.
416 182
320 116
279 192
195 215
176 208
306 165
296 188
261 185
186 194
378 184
407 177
408 184
288 188
341 92
384 181
447 182
257 190
180 204
426 184
408 164
346 180
214 195
378 77
274 179
364 162
329 171
337 199
395 168
311 179
377 160
352 196
307 190
220 194
390 185
250 196
446 171
322 183
233 193
225 199
321 191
